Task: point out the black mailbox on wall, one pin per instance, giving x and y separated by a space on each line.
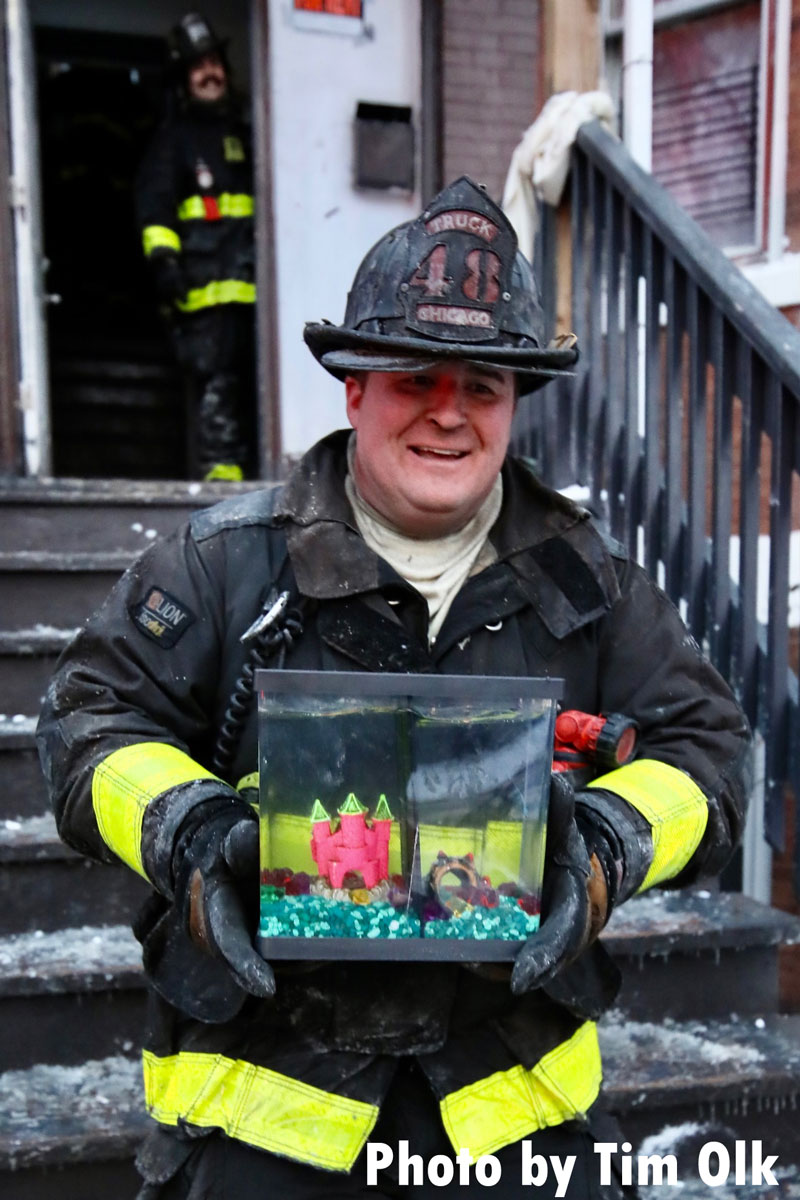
384 146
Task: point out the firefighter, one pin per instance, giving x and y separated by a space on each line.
410 542
194 199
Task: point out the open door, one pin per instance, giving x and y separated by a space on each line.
99 393
116 400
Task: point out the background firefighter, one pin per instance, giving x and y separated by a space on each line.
411 543
194 198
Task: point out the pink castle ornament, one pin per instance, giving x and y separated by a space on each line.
354 844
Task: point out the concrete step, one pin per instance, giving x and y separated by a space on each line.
741 1077
46 886
37 588
27 661
70 995
80 516
22 787
71 1131
698 953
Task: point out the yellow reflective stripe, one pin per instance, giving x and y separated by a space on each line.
509 1105
675 807
258 1106
219 291
156 236
191 208
230 204
124 784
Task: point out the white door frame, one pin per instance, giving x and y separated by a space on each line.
26 203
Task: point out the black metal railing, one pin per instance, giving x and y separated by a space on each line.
681 422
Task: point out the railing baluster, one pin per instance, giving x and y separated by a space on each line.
782 428
615 412
580 296
675 292
722 348
750 387
697 327
596 378
631 242
652 261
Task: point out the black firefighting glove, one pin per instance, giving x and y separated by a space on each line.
216 872
168 276
197 931
598 852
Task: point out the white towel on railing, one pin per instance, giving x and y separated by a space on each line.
540 163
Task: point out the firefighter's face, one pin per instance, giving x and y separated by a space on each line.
430 443
207 78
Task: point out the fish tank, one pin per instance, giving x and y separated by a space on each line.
401 816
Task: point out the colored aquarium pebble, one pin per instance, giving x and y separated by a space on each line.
317 916
307 915
505 921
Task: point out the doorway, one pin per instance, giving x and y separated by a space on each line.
116 399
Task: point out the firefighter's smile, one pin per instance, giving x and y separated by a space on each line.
439 453
210 84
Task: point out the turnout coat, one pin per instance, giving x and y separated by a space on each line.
194 199
138 701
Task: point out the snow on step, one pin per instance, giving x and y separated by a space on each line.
734 1061
88 958
53 1114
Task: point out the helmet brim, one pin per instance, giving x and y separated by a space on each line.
343 351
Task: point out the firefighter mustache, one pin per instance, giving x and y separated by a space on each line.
194 200
409 542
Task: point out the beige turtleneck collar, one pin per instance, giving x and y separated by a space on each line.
436 567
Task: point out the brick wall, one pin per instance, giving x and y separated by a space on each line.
793 314
793 166
784 897
490 85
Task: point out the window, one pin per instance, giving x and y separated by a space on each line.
705 120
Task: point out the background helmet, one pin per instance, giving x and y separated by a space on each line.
450 285
192 38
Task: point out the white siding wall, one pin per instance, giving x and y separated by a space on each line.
323 225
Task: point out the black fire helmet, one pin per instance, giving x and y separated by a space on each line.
192 38
450 285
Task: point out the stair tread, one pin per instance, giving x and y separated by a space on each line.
123 492
17 731
40 639
671 1062
24 838
684 1141
80 959
664 922
54 1115
68 560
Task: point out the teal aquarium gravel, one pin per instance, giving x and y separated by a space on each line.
317 916
507 922
309 916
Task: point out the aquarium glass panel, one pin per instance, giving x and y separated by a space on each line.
402 816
